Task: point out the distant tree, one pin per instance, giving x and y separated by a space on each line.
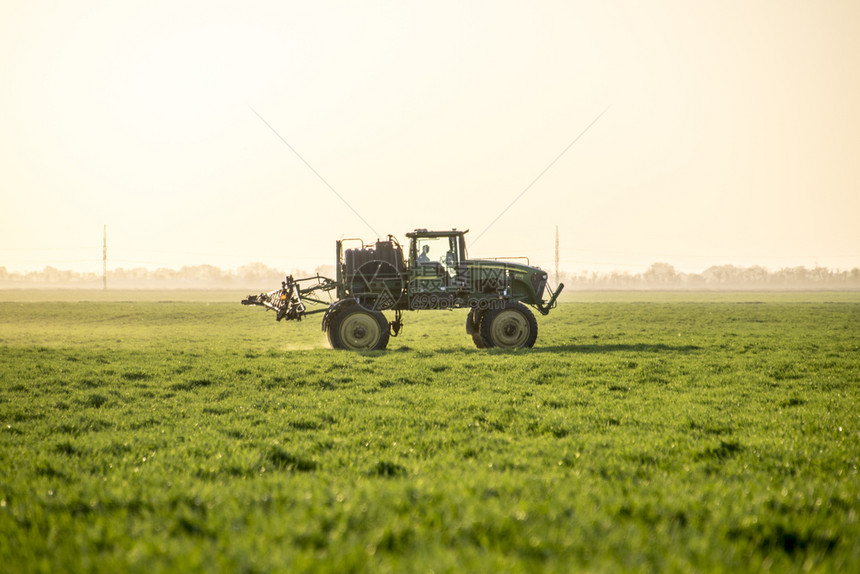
325 270
756 274
208 273
722 274
660 274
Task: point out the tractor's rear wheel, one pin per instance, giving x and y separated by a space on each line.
358 328
510 327
473 327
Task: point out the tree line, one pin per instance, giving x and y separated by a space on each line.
258 276
253 275
726 277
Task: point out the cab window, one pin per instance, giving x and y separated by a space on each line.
438 252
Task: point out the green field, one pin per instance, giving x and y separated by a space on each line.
644 432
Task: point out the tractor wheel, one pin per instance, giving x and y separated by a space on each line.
329 332
357 328
473 327
511 327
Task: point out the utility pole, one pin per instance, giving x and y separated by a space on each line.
556 254
104 260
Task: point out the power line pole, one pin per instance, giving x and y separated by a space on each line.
104 260
556 254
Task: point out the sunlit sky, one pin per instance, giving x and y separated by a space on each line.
731 132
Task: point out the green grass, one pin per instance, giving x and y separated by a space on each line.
644 432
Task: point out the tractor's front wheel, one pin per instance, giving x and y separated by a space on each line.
511 327
473 327
358 328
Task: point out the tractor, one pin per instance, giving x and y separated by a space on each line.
435 273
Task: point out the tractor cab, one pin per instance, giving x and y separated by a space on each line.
437 260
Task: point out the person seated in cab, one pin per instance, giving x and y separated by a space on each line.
423 257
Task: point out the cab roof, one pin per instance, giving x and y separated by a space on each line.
426 233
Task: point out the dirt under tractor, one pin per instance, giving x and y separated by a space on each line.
435 273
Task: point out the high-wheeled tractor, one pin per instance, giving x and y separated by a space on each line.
435 273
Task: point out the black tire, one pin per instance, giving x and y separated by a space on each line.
357 328
329 330
473 327
510 327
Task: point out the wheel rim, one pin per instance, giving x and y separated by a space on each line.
360 331
510 329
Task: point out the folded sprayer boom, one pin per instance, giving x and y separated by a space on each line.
289 301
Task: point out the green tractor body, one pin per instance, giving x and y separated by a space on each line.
433 273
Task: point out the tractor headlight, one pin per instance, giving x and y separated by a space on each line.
539 284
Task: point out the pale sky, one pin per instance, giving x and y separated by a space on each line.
731 132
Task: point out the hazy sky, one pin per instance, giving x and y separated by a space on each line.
732 133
